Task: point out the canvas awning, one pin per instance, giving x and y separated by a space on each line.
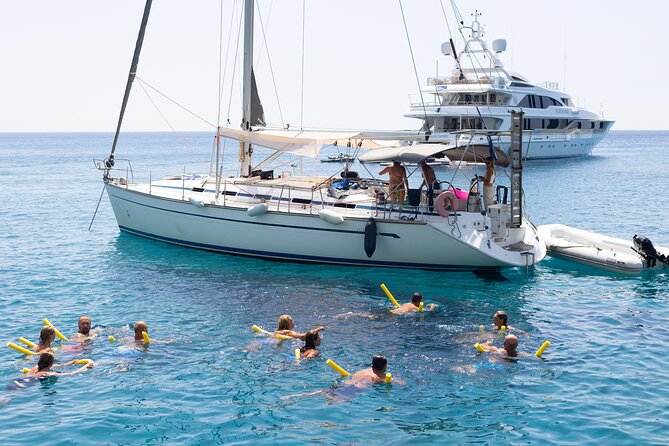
403 154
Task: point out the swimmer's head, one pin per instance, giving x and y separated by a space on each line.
45 361
379 363
84 325
47 335
286 323
500 318
510 343
140 326
489 160
312 340
416 298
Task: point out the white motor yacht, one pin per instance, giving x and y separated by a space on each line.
479 93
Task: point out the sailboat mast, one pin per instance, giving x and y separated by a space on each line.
131 77
246 149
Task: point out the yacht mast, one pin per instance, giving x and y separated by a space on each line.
246 149
109 162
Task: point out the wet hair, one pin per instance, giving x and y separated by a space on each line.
503 316
310 341
416 298
489 160
47 334
45 361
512 342
284 322
379 362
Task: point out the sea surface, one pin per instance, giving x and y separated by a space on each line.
604 379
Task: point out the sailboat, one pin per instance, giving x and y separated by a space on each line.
346 220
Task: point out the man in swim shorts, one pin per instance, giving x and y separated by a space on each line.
397 181
84 326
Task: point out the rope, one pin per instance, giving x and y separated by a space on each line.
271 69
96 208
406 30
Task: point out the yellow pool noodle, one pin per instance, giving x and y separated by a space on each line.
543 347
298 355
481 327
27 342
82 361
390 296
18 348
112 338
420 307
502 328
59 334
278 336
332 364
480 348
25 370
389 378
146 337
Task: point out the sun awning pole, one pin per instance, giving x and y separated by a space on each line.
109 162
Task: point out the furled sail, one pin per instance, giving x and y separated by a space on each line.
300 142
257 112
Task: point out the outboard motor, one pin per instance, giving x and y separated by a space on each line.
644 247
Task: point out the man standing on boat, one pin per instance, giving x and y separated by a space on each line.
429 180
397 181
488 181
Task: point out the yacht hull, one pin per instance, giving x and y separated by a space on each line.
308 238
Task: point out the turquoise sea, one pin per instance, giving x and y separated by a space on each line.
604 379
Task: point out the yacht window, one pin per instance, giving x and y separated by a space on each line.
301 200
492 98
344 205
567 102
229 192
601 125
525 102
552 124
579 125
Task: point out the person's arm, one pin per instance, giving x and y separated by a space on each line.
65 364
79 370
385 170
319 328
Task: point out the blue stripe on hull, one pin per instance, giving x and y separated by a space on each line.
297 257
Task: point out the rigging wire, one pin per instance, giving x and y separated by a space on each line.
302 82
422 100
271 69
221 81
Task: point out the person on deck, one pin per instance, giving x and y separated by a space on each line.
397 181
429 180
488 182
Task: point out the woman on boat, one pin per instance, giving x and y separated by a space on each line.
286 326
311 340
46 337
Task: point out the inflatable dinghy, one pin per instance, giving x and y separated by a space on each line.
613 254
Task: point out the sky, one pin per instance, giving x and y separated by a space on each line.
65 64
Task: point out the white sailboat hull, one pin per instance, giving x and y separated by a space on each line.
610 253
305 237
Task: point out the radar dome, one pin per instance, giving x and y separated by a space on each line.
446 48
498 45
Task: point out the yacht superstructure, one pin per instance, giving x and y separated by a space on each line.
479 93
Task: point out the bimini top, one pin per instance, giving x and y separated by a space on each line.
404 154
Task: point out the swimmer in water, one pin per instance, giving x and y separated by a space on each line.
46 363
501 319
46 336
408 307
84 327
510 348
312 340
140 326
286 326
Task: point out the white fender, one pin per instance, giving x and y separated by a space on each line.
257 209
331 216
445 199
196 202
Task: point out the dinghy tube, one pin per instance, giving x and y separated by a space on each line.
331 217
370 237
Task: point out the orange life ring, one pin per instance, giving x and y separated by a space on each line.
445 201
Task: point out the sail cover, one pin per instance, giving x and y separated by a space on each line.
300 142
257 112
404 154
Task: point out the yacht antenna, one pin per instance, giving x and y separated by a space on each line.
109 162
246 148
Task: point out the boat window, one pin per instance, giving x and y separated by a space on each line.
552 123
525 102
344 205
301 200
601 125
520 84
229 192
567 102
263 197
197 189
579 124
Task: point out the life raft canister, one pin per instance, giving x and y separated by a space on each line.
445 201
